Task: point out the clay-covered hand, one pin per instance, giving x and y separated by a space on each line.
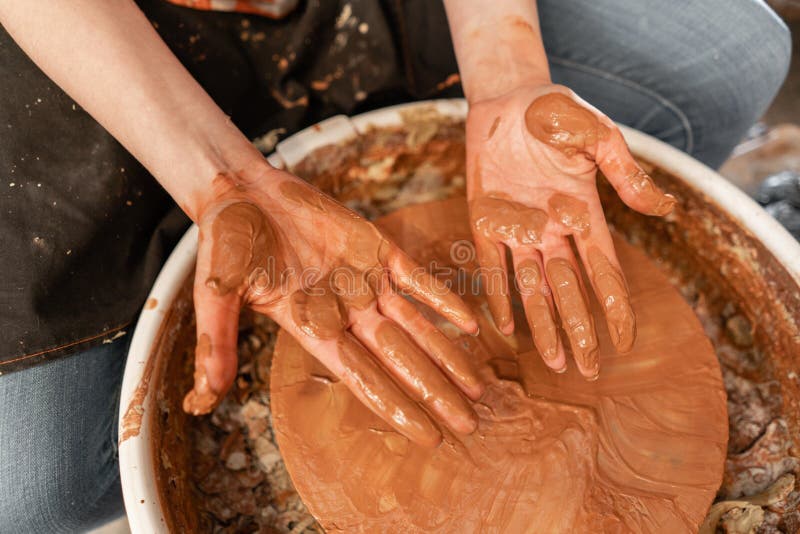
272 242
533 156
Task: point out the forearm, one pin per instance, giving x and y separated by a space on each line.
498 46
106 55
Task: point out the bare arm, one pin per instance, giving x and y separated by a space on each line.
498 46
107 56
533 151
261 229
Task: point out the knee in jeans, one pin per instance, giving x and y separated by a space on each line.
44 493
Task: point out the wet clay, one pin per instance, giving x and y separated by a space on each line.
537 310
366 250
202 398
365 247
453 360
377 392
613 296
506 221
318 312
242 241
571 213
649 194
496 220
493 128
558 121
575 316
639 450
422 378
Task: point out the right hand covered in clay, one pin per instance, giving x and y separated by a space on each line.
533 154
272 242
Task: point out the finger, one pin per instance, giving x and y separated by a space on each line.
215 361
537 300
600 261
413 370
373 387
412 278
633 185
494 278
563 277
444 352
358 370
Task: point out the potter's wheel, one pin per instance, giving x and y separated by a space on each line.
641 449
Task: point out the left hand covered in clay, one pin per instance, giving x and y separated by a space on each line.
532 160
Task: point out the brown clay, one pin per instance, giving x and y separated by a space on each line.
377 391
571 213
352 288
493 129
242 241
507 221
659 203
495 221
613 296
575 316
202 398
639 450
558 121
422 378
366 250
537 310
318 312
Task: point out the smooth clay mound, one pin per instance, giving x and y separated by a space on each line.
639 450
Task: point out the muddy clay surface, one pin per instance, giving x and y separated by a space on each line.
224 473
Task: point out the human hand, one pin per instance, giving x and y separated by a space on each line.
532 160
327 276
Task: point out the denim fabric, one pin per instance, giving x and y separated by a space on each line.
58 443
644 63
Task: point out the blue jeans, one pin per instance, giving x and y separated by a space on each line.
644 63
58 443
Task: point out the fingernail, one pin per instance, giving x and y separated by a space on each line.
561 371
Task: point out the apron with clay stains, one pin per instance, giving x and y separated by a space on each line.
85 229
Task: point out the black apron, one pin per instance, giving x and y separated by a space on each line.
84 229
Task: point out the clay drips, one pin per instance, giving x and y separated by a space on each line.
558 121
537 310
202 398
613 296
242 241
495 221
571 213
506 221
575 315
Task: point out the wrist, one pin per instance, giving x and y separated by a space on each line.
498 55
211 171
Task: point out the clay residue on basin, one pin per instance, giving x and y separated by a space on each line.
645 441
728 278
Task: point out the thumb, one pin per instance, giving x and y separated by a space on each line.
633 185
215 357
